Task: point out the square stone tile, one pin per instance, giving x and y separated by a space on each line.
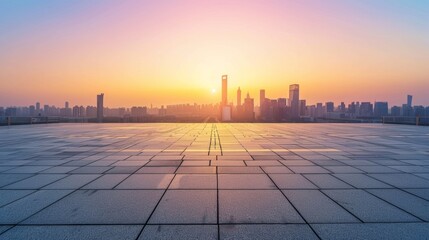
276 169
100 207
73 181
402 180
126 232
377 169
28 169
106 181
367 207
123 170
343 169
308 169
172 163
240 170
361 181
196 170
372 231
36 182
315 207
245 181
185 207
184 232
194 181
255 206
146 181
25 207
423 193
412 204
267 231
326 181
292 181
8 196
59 169
6 179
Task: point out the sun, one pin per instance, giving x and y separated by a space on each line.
213 91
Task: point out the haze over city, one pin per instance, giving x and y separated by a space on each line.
167 52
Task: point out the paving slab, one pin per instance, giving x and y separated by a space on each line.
245 181
255 206
186 206
373 231
180 232
146 181
367 207
100 207
267 231
83 232
316 207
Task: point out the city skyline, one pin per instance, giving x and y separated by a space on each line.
284 109
173 52
224 96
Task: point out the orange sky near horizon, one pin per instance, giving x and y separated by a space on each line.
168 52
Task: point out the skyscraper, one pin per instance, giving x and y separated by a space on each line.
225 109
100 107
249 106
224 90
409 100
261 97
329 107
294 100
262 109
381 109
238 97
302 107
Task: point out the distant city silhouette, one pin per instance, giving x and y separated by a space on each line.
291 109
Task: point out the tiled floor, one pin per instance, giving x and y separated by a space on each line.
214 181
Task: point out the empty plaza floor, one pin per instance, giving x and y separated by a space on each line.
214 181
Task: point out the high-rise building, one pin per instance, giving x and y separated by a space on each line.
395 111
238 97
32 110
261 97
76 111
294 100
262 108
66 105
91 111
329 107
366 109
419 111
407 111
342 107
319 110
302 107
381 109
224 90
100 107
409 100
138 111
249 106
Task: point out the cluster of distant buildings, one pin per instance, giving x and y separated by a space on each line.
294 109
269 110
291 109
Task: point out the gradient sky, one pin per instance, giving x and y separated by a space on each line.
140 52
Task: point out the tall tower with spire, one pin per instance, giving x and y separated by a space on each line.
224 90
